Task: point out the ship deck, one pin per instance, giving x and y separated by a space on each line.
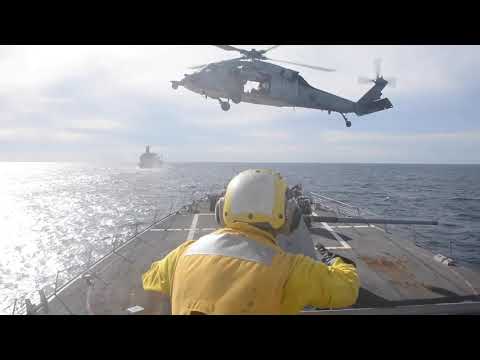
394 273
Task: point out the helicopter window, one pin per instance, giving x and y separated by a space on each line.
265 86
256 87
250 86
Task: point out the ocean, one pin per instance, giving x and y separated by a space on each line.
59 216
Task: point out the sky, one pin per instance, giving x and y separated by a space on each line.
105 103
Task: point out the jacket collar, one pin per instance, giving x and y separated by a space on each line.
252 231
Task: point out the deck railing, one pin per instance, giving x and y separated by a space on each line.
342 209
22 304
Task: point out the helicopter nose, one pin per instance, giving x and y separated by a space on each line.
192 78
191 81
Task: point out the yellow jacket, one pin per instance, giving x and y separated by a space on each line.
241 270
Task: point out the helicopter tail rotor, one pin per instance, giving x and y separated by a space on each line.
377 64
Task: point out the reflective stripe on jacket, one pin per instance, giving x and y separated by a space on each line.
241 270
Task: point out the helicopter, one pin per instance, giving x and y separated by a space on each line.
275 85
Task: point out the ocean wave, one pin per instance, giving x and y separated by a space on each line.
467 216
65 213
464 199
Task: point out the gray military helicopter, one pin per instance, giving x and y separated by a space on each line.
275 85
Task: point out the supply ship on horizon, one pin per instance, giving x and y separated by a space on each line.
149 160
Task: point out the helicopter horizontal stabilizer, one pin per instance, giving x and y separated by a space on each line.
372 100
364 108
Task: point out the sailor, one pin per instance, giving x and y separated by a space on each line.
240 269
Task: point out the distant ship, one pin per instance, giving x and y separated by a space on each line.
149 159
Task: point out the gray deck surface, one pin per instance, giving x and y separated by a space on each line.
392 272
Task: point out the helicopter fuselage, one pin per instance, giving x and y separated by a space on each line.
273 85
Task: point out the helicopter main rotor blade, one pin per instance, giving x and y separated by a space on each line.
304 65
269 49
230 48
197 67
217 63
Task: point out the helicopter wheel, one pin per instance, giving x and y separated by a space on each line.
347 122
225 105
237 100
174 86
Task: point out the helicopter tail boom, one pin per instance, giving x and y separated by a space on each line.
373 106
371 102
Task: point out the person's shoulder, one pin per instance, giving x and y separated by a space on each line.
176 252
184 246
300 260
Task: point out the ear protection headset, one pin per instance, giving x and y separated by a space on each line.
293 215
219 211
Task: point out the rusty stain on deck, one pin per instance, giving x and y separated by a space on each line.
395 268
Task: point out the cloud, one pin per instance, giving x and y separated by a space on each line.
271 135
335 146
41 136
94 124
407 139
83 101
419 69
459 147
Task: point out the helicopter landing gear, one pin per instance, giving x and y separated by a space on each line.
237 100
174 85
347 122
224 105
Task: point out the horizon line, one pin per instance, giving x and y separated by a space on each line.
243 162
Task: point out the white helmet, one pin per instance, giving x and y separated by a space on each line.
258 197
